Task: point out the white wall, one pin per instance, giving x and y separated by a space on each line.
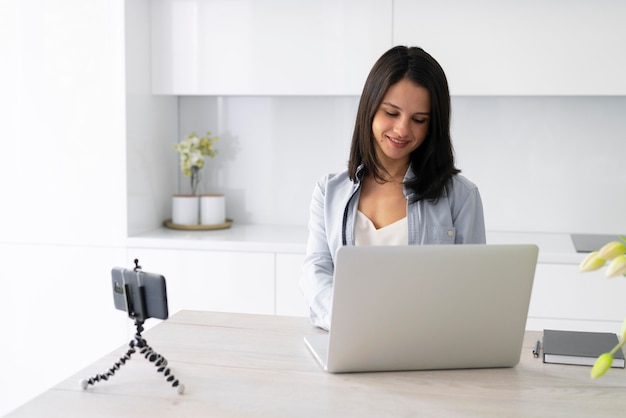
542 163
63 184
546 163
62 76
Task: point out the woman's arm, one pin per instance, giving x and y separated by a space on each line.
468 216
316 282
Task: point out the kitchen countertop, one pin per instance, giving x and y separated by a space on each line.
239 237
554 248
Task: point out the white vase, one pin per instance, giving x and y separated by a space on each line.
185 209
212 209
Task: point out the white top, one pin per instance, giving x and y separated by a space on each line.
365 233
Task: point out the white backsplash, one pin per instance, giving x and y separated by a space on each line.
546 163
271 151
551 164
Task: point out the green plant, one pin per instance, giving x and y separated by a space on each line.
615 252
192 151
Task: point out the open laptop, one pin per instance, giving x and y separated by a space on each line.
427 307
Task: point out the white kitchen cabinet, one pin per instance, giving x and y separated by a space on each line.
535 47
289 299
226 281
56 315
269 47
564 298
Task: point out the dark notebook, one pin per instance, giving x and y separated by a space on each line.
586 243
579 347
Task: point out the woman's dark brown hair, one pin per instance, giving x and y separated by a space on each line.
433 161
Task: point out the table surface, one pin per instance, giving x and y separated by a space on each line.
258 365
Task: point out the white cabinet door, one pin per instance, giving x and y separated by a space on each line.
213 280
534 47
289 299
564 298
266 47
57 315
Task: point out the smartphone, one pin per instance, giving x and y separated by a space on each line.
143 295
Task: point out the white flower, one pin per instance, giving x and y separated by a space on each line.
192 151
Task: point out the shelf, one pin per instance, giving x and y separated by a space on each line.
239 237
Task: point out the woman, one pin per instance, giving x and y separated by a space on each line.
401 186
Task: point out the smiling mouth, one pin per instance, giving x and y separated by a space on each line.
398 142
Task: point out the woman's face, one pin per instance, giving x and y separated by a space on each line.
401 122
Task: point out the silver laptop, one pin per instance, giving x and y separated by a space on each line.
427 307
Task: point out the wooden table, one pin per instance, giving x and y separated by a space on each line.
257 365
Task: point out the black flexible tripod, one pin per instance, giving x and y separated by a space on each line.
139 343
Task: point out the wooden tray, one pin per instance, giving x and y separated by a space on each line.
169 224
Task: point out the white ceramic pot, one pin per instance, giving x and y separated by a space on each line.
185 209
212 209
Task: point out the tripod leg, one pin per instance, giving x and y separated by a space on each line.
92 380
150 355
159 361
161 364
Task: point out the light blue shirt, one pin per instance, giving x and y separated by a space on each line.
456 218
